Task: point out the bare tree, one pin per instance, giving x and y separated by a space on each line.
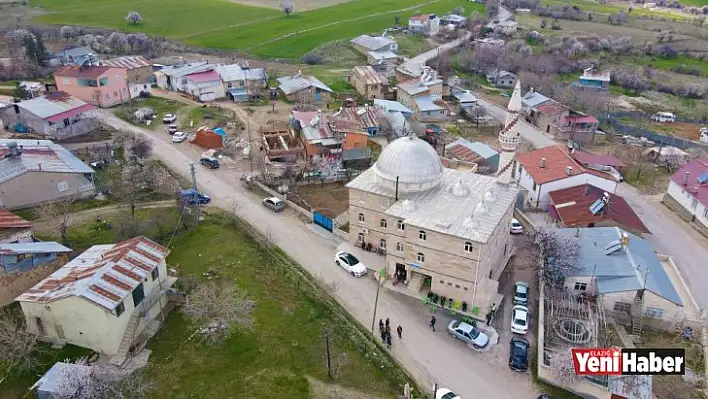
133 17
58 215
477 114
288 7
19 349
558 252
218 308
563 368
137 179
141 146
99 382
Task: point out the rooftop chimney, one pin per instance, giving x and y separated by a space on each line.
542 163
625 239
685 178
586 190
569 170
13 150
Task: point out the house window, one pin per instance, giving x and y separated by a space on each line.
108 96
422 236
361 217
705 213
120 309
67 122
62 186
694 203
385 202
124 90
420 257
360 237
155 273
401 226
534 186
138 295
623 307
382 244
95 97
228 85
383 223
581 286
399 247
468 247
66 81
22 257
655 313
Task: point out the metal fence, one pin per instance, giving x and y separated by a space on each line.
635 131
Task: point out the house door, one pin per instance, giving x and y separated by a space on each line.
318 94
60 331
548 128
401 273
138 295
40 326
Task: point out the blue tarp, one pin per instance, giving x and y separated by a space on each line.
219 131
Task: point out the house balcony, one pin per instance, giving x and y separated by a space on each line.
155 296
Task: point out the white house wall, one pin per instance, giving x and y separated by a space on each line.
688 202
539 197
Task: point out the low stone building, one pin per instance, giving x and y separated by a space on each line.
369 83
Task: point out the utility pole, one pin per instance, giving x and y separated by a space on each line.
329 362
130 99
248 129
193 172
376 302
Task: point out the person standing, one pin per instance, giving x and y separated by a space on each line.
399 330
388 322
381 325
489 317
432 323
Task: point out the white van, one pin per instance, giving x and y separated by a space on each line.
664 117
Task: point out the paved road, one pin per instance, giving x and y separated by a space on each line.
422 58
430 357
670 235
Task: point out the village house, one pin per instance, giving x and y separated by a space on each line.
454 20
486 158
588 206
138 72
548 169
431 108
428 84
281 145
242 83
14 229
578 128
77 56
110 299
501 78
172 77
376 48
464 98
366 119
368 82
687 194
317 135
593 79
304 88
631 282
398 116
489 41
57 115
427 24
543 112
33 172
25 256
204 85
101 86
357 158
603 163
35 89
507 27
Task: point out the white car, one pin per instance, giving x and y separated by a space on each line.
520 320
468 333
169 118
350 263
444 393
516 227
179 137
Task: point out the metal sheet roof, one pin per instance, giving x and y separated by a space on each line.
443 210
87 72
463 96
127 62
692 170
203 76
430 103
371 77
622 270
38 155
54 103
55 381
373 43
104 274
478 150
42 247
234 72
9 220
180 70
534 98
297 82
392 106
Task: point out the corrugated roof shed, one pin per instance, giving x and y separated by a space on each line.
104 274
624 269
533 98
356 154
127 62
203 76
297 82
586 158
392 106
41 247
55 106
180 70
371 77
38 155
468 151
9 220
373 43
234 72
88 72
54 381
431 103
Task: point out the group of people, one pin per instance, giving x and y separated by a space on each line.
385 330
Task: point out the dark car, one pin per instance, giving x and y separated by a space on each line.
519 354
192 196
210 163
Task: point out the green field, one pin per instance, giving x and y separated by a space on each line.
261 31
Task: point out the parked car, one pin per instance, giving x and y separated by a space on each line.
516 227
350 263
521 293
179 137
518 354
211 163
468 333
664 117
172 129
275 204
169 118
520 320
444 393
192 196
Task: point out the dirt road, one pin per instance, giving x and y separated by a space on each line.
429 356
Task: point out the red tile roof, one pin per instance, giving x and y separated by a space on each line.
556 162
695 168
422 17
9 220
572 205
581 119
206 76
463 153
551 108
585 158
91 72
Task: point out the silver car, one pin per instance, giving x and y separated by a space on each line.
521 293
468 333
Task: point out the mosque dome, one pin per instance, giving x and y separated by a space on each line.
413 161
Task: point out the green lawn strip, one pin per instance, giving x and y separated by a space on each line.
206 115
669 64
160 107
287 341
173 19
295 46
412 45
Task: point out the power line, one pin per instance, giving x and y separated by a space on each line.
195 192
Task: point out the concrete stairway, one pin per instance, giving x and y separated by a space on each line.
638 314
121 357
415 283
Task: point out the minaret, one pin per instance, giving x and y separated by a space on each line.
509 138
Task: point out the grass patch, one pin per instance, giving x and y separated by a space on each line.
339 53
160 106
286 345
412 45
669 64
647 178
209 116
